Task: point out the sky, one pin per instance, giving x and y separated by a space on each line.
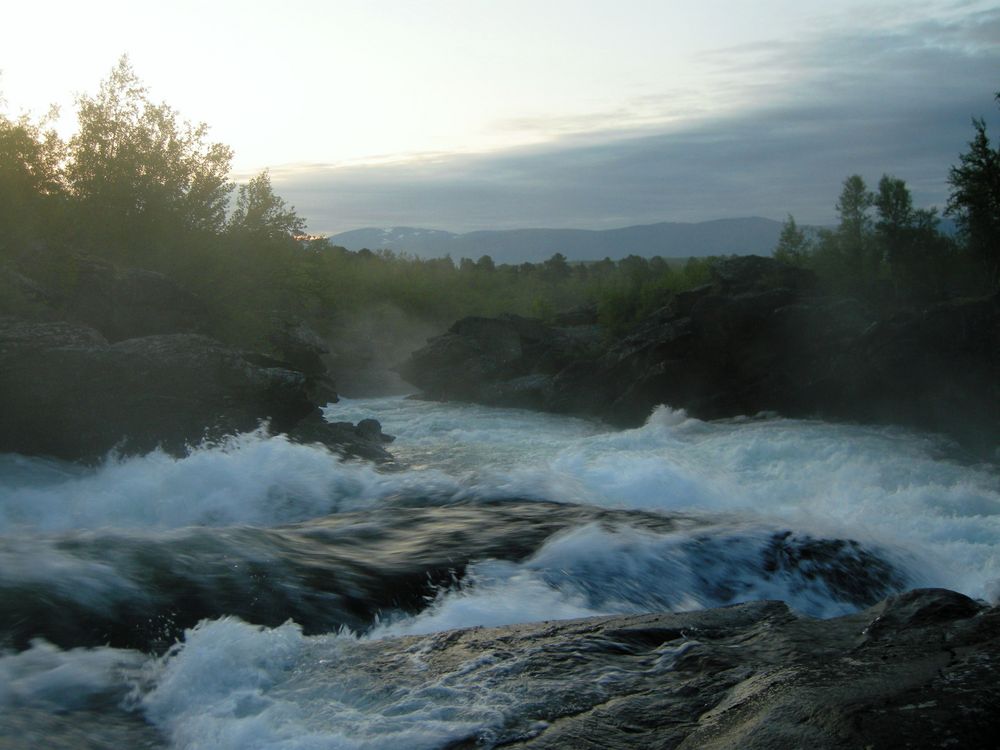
481 114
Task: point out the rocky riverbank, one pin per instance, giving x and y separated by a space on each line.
758 338
120 361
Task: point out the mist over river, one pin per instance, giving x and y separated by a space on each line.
282 568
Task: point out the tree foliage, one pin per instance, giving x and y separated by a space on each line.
259 211
975 200
793 246
854 231
896 256
31 180
138 172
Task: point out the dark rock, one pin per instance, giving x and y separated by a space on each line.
18 291
682 303
300 349
371 429
920 608
584 315
67 393
749 676
364 440
525 392
126 303
17 335
507 361
938 369
755 273
300 346
756 339
706 351
850 572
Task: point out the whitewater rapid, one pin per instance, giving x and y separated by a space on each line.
676 515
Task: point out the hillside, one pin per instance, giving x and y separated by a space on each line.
743 236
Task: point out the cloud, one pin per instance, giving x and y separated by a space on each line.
806 114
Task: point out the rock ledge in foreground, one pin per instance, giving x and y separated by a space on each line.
919 670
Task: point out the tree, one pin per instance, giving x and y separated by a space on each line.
556 268
894 205
259 211
138 171
604 267
915 251
30 178
975 200
854 204
856 251
658 267
634 270
853 208
793 246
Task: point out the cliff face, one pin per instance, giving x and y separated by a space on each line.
758 338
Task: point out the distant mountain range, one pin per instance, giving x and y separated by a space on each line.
669 239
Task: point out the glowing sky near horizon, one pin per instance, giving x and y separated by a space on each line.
356 82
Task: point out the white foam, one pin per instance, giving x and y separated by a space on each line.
494 593
248 479
593 570
232 686
880 485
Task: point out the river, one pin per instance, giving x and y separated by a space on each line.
232 598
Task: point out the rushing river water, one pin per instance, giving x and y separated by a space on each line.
232 598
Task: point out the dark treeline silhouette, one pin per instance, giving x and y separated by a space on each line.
891 254
140 187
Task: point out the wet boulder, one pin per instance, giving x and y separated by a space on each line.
504 361
66 392
362 440
299 347
754 675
